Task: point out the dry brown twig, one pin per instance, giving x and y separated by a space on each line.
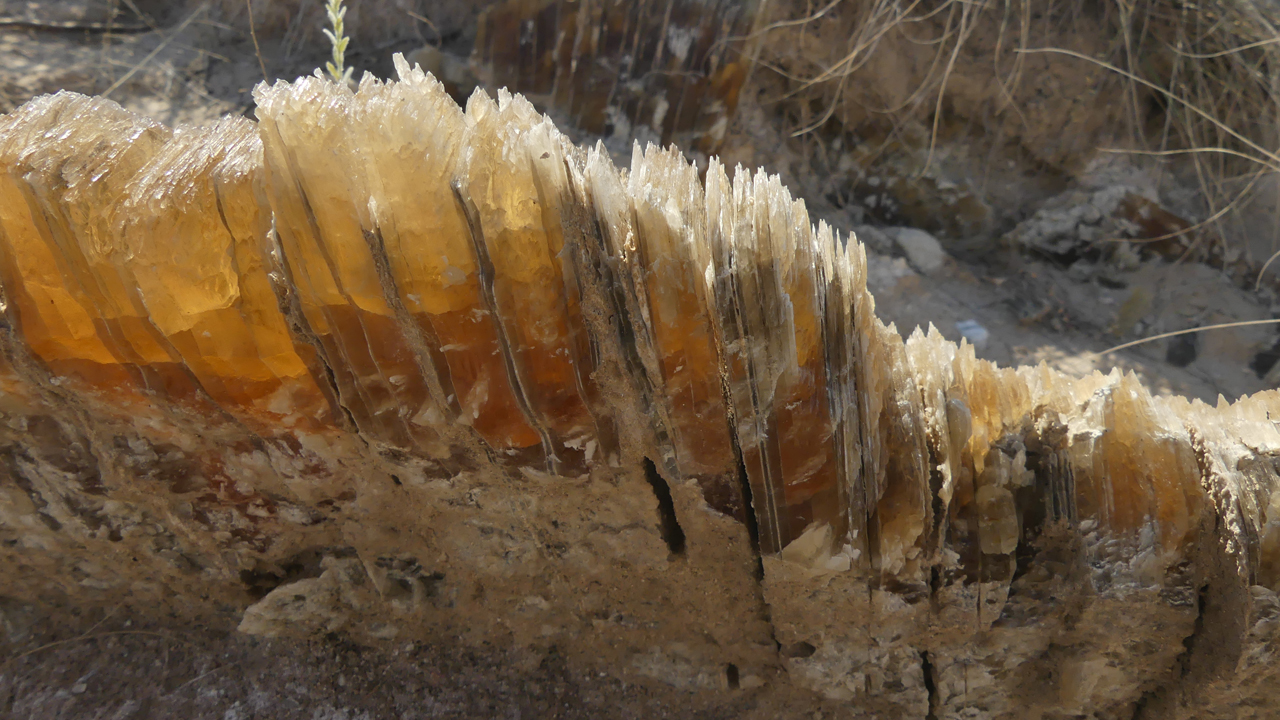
156 50
1188 331
1214 85
253 33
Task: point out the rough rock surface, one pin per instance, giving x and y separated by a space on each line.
923 250
379 366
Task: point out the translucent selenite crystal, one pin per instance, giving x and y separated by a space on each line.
438 366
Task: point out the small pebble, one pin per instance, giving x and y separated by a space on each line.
973 331
923 250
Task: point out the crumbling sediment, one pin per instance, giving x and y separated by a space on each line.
380 365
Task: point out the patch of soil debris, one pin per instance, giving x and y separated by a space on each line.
119 671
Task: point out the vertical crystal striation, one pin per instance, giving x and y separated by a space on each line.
65 159
508 182
417 334
318 192
201 261
771 331
410 157
658 237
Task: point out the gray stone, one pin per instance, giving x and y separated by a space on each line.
923 250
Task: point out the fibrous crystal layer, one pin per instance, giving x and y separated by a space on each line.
380 364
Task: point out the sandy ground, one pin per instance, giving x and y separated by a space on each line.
116 670
123 672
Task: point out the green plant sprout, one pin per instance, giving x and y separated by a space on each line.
338 38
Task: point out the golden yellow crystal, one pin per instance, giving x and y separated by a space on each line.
461 369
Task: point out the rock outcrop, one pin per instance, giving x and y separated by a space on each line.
382 366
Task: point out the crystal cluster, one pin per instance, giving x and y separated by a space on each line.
380 364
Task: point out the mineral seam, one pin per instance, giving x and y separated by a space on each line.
380 365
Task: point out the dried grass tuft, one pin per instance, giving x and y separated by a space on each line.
1199 81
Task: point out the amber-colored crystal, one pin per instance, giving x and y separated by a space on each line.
318 191
410 157
380 329
665 253
64 163
200 261
518 252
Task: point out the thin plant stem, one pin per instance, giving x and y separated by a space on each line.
1188 331
253 33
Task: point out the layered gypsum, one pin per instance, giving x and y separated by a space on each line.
467 288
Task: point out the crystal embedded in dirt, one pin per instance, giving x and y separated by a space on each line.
494 379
